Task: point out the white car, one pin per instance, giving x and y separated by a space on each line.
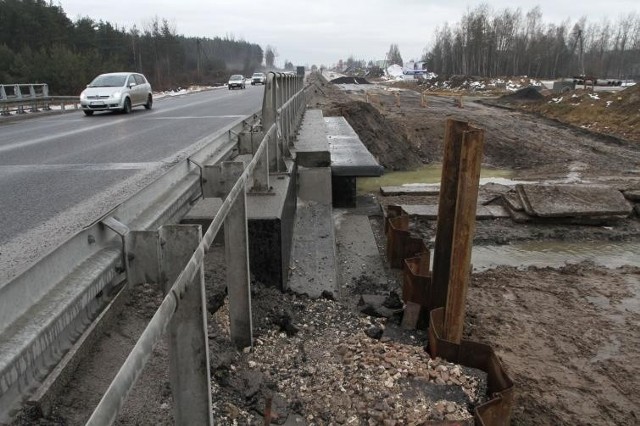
236 80
258 78
118 91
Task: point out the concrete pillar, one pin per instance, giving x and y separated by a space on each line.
237 260
187 333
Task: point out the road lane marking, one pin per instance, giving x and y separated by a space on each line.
23 144
195 118
81 167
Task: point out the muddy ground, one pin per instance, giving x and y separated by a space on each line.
568 337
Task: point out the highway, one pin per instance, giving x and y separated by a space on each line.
59 173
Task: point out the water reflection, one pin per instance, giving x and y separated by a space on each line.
427 174
556 254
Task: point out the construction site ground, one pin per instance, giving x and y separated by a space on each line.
569 337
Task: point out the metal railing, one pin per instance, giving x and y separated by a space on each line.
46 308
20 98
284 103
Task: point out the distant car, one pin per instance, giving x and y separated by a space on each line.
118 91
236 80
258 78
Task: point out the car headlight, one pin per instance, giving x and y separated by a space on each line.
116 95
83 96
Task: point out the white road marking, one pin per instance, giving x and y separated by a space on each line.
12 146
195 118
81 167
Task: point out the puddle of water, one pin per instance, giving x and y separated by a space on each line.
556 254
427 174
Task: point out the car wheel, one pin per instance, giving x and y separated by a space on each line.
149 103
126 109
88 113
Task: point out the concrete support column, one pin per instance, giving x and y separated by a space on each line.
261 172
237 259
187 332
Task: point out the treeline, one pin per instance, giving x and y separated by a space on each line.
509 42
40 44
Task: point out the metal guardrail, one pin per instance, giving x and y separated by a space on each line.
20 98
43 310
285 101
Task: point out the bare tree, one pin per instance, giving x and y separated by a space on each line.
507 42
393 56
270 56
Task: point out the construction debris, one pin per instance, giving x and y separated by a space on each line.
579 204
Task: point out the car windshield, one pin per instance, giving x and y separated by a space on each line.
236 77
258 74
108 80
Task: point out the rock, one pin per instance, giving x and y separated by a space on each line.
393 301
372 305
285 323
232 411
374 332
451 408
327 295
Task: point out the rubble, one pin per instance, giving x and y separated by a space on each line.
340 367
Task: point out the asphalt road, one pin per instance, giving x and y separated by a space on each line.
59 173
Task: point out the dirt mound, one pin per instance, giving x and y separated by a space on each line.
385 139
628 99
350 80
526 94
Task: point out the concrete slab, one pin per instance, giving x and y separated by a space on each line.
314 184
357 251
573 200
202 213
433 189
313 256
512 200
311 148
349 156
271 218
431 211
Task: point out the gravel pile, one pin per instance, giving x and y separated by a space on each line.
316 362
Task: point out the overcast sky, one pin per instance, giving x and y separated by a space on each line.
324 31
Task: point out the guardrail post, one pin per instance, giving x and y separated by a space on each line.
237 259
260 177
269 111
187 332
18 93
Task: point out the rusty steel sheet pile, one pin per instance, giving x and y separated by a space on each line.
437 299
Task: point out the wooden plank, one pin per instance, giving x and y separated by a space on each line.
463 230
